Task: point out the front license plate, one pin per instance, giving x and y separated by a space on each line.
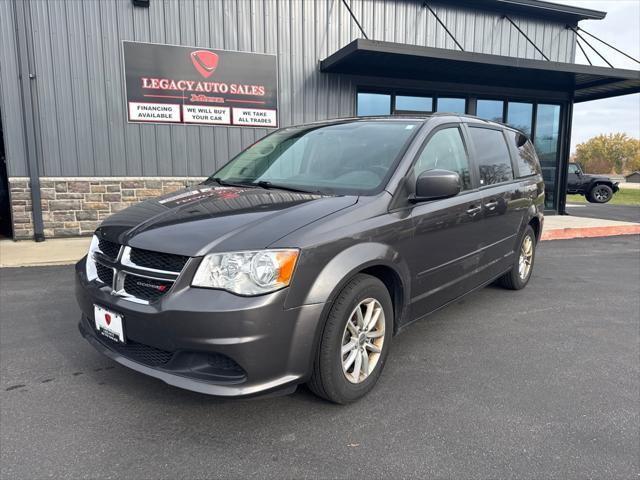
109 324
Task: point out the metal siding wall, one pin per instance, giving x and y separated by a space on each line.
10 99
77 50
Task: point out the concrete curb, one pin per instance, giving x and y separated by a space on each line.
590 232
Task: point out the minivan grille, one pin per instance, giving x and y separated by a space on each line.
157 260
105 274
148 289
137 275
109 249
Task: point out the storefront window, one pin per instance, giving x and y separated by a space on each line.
490 110
453 105
373 104
520 116
547 145
414 104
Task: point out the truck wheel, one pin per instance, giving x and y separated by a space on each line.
600 194
355 342
519 275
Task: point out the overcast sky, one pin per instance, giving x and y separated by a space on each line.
621 28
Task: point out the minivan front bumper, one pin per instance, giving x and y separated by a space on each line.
208 341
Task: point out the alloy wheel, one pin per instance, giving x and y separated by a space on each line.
362 340
526 257
601 194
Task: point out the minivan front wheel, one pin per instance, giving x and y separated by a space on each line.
519 275
355 342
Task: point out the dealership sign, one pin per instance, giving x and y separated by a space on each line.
173 84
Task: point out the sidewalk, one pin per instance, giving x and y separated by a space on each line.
563 227
57 251
64 251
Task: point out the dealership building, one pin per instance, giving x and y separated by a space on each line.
106 103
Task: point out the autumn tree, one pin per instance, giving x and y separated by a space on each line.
612 153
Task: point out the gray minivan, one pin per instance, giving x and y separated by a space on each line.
299 260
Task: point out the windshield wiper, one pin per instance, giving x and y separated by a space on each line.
268 185
224 183
262 184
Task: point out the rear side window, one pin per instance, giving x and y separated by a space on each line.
526 159
445 151
492 156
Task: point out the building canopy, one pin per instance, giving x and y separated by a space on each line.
396 60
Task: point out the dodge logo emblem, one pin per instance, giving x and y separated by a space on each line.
205 62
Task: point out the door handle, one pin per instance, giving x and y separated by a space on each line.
473 210
491 205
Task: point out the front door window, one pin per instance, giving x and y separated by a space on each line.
445 151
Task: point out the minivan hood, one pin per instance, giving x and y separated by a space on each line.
205 218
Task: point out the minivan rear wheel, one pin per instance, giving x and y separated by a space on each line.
355 341
519 275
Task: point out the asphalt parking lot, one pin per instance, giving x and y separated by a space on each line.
542 383
621 213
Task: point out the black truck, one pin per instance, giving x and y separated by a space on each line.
596 189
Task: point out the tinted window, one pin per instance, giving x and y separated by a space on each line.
414 104
527 159
453 105
445 151
492 153
490 110
374 104
352 157
573 168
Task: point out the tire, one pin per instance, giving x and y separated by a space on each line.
329 379
600 194
513 279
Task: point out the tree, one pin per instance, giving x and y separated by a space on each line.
612 153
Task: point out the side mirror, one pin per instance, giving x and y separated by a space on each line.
435 184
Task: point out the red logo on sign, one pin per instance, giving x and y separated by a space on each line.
205 62
107 318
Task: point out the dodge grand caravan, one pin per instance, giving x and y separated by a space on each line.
299 260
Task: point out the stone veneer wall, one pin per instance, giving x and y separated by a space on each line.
75 206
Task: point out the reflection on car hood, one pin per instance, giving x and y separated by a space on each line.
207 218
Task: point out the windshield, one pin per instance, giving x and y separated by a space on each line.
352 158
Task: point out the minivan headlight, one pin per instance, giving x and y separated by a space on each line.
90 264
248 272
